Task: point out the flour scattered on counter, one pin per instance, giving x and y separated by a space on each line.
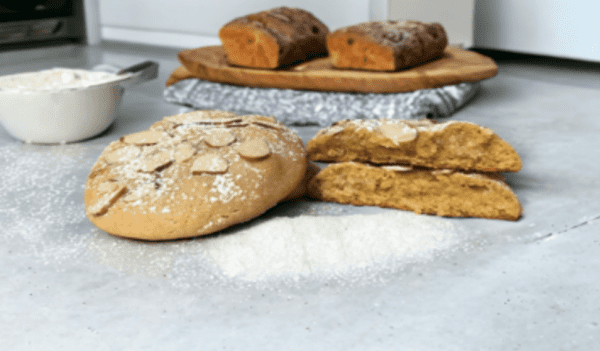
324 246
40 199
279 252
42 191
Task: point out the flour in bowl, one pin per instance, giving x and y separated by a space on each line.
54 79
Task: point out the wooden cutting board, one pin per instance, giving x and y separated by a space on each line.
455 66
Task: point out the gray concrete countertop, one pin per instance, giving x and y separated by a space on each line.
496 285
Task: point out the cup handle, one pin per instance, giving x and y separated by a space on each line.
139 73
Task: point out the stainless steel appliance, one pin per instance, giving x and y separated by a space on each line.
33 22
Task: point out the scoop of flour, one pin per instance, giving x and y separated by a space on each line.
54 79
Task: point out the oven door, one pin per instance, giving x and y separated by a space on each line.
31 21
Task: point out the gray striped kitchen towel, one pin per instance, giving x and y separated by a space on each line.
302 107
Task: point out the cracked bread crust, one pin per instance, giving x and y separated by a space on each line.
386 45
193 174
426 143
274 38
445 193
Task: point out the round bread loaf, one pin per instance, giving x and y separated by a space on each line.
193 174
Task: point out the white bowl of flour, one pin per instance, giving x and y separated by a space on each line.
63 105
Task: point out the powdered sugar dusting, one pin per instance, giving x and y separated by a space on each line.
226 188
421 125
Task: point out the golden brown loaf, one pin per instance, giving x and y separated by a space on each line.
193 174
274 38
452 145
386 45
441 192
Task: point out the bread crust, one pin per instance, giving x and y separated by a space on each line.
445 193
386 45
274 38
452 145
193 174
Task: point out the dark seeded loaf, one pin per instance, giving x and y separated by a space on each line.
386 45
274 38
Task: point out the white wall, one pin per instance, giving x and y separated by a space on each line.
455 15
561 28
194 23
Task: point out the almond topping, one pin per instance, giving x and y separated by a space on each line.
111 192
236 125
333 130
184 152
254 148
139 192
267 124
487 131
218 117
398 168
398 133
219 138
210 163
224 120
264 121
204 117
148 137
155 161
442 172
123 154
421 123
